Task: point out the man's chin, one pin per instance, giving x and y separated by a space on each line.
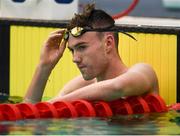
86 77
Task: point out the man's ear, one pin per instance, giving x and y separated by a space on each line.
109 43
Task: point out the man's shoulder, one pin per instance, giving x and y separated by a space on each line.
141 66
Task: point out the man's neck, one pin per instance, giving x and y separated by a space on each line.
115 69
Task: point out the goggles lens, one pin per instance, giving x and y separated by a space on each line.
76 31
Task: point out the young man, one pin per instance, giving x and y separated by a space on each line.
94 47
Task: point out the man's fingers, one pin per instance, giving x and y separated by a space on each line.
62 46
58 31
55 38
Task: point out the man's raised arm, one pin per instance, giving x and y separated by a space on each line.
51 52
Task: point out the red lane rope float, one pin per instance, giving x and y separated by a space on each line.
138 104
127 11
82 108
65 109
155 102
102 109
175 106
28 110
46 110
121 107
10 112
1 116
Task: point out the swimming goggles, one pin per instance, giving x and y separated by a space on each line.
78 31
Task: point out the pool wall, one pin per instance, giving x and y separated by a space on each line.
21 41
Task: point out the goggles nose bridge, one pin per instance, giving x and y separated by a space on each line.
66 35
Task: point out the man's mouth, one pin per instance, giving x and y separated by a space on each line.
81 66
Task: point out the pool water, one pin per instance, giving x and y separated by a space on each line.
146 124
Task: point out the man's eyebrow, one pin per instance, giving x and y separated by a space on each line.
76 45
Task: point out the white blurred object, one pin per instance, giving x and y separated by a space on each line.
148 21
38 9
17 9
173 4
49 9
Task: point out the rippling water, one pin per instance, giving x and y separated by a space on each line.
154 123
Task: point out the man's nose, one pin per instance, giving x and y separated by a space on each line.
76 57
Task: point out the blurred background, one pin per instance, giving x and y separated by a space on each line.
64 9
146 12
145 8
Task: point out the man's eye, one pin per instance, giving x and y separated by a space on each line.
81 48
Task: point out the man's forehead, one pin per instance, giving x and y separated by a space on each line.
85 38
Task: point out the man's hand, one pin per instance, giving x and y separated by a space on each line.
53 49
